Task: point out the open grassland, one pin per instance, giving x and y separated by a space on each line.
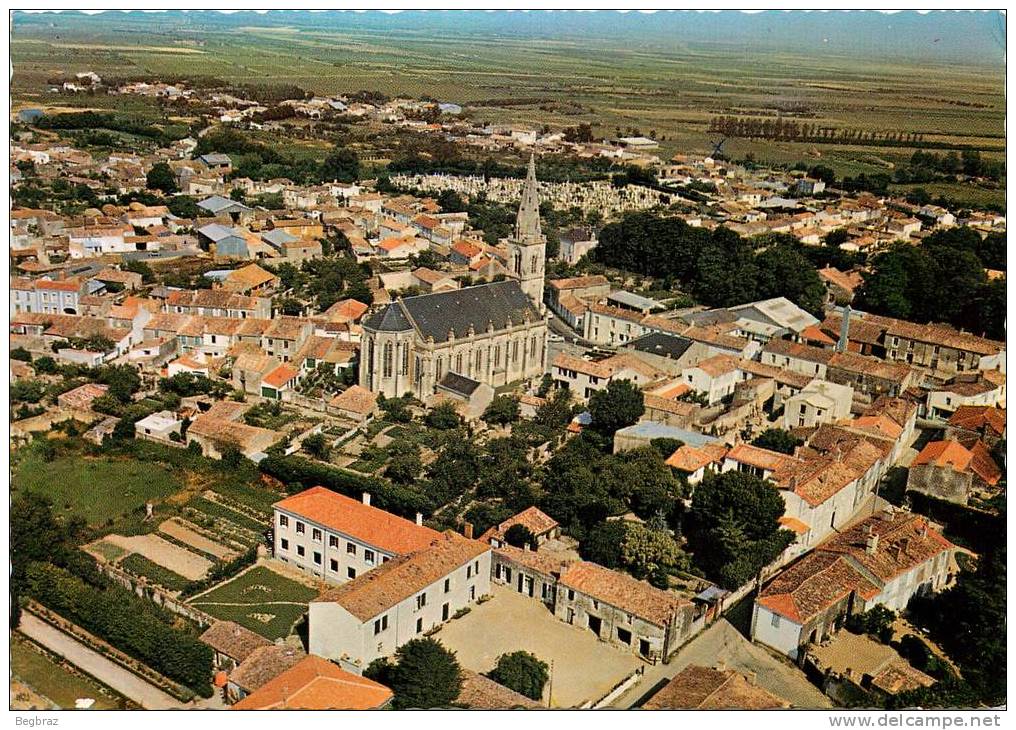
259 599
563 82
97 489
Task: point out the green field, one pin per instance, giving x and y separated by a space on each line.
672 90
97 489
54 681
261 600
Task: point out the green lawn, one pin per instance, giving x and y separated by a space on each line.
55 681
96 489
261 600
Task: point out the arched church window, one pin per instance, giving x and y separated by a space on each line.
386 360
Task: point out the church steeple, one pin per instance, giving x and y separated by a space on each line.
527 247
527 221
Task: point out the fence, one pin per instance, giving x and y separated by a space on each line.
616 691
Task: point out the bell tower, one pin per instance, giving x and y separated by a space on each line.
527 247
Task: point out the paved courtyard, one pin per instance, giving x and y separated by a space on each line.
584 668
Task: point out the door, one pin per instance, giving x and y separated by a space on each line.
595 624
520 583
529 587
571 615
624 636
444 612
643 647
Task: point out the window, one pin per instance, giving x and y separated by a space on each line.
317 558
368 557
405 360
300 528
571 595
333 542
419 625
469 571
283 544
351 548
458 363
350 572
315 534
472 593
421 601
380 625
384 559
386 360
283 521
476 567
333 565
300 551
447 584
775 621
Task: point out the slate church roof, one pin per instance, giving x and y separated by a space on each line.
437 315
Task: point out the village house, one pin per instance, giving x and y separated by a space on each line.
260 666
355 403
217 303
374 614
818 402
541 526
985 388
336 538
585 377
213 435
884 560
160 427
314 683
971 422
953 471
232 644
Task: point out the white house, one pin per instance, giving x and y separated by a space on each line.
819 402
373 615
336 538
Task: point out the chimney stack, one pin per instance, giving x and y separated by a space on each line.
419 518
841 344
871 544
467 530
366 498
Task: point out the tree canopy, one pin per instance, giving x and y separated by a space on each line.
733 527
522 672
619 405
424 675
777 439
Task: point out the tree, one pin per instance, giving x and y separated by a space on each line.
602 543
20 353
651 554
877 621
733 529
504 409
784 271
341 165
160 177
425 675
776 439
404 466
835 238
556 412
620 405
519 536
522 672
443 416
396 409
317 446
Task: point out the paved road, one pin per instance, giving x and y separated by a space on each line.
124 682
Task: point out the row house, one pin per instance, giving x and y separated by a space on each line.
47 296
884 560
218 303
93 241
867 375
585 377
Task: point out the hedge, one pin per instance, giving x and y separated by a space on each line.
304 473
129 623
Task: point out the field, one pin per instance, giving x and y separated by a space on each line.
54 681
671 90
259 599
97 489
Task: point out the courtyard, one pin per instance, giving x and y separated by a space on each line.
583 668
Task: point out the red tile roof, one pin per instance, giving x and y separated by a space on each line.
314 683
352 517
624 592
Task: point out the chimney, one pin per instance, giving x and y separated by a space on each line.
871 544
366 498
467 530
751 677
419 518
841 344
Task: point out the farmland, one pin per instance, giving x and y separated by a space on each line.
673 91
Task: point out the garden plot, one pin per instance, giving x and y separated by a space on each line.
189 534
162 552
259 599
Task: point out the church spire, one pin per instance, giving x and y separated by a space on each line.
527 222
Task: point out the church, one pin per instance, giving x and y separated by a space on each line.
492 333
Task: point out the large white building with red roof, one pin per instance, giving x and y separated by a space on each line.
884 560
337 538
